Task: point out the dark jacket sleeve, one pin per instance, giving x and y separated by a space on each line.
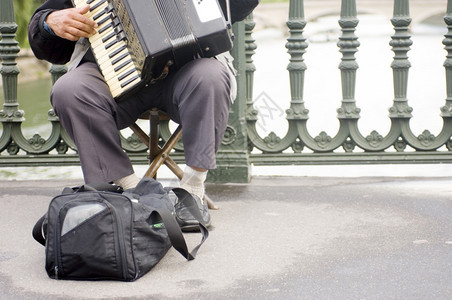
45 45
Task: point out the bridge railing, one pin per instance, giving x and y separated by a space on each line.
374 146
243 145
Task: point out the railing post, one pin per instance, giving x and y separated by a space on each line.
9 50
446 111
233 158
401 43
296 45
348 44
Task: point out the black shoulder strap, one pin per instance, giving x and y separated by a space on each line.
37 231
190 203
173 229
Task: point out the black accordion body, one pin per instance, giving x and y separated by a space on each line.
138 40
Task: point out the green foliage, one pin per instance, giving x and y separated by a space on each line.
23 10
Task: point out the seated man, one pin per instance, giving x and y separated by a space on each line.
198 96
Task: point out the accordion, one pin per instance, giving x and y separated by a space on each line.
137 41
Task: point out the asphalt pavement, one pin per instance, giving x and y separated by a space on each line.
274 238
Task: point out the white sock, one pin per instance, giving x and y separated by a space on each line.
193 181
128 182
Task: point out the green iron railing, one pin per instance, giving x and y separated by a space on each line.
242 144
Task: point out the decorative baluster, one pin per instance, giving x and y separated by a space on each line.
446 111
56 71
296 45
9 50
401 42
348 44
250 68
254 140
250 47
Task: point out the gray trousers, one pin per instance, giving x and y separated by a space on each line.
196 96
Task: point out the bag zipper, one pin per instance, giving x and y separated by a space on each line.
121 242
57 245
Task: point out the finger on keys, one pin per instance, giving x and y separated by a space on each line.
83 10
88 21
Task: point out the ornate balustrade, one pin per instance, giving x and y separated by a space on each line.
242 144
356 148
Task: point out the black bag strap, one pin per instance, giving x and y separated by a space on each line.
172 227
190 203
37 231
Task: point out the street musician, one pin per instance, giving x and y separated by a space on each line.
197 94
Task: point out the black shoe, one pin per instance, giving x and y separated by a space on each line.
185 218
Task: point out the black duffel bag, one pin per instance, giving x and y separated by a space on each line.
100 233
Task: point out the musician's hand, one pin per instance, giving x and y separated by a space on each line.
71 23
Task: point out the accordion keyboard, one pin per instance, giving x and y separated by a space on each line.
109 46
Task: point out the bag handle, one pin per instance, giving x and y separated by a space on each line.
172 227
100 187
